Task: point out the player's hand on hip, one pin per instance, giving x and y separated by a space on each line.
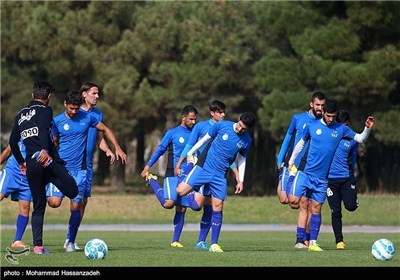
43 157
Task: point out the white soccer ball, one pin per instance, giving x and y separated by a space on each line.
383 250
96 249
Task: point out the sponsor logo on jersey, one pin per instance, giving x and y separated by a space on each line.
33 131
26 117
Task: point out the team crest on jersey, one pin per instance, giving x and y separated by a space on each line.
225 136
66 126
319 131
181 140
27 117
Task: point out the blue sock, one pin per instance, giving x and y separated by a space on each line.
68 233
179 220
74 222
216 224
21 224
192 202
158 191
185 172
307 237
300 233
315 225
205 223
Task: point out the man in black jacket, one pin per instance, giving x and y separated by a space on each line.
42 163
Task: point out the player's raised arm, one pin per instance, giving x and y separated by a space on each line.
361 137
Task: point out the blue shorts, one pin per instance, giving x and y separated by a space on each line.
169 187
16 184
217 183
80 179
284 178
205 190
309 186
89 182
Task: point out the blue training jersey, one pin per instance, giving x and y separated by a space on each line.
73 134
293 136
324 140
225 146
174 141
344 161
92 136
198 131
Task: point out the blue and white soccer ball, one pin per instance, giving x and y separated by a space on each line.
96 249
383 250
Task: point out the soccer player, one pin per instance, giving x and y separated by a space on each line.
14 183
70 132
174 140
90 95
202 198
323 137
341 180
33 125
292 137
231 142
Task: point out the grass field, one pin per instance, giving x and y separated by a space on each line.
121 208
241 249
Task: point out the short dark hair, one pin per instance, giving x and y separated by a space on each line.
42 90
217 105
86 86
189 109
319 95
343 116
330 106
248 118
73 97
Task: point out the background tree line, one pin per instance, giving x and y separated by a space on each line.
152 58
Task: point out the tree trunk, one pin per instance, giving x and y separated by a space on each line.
118 176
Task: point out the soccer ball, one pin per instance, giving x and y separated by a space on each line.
96 249
383 250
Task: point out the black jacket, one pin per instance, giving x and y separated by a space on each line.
33 125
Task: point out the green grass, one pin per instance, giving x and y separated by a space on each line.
118 208
241 249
